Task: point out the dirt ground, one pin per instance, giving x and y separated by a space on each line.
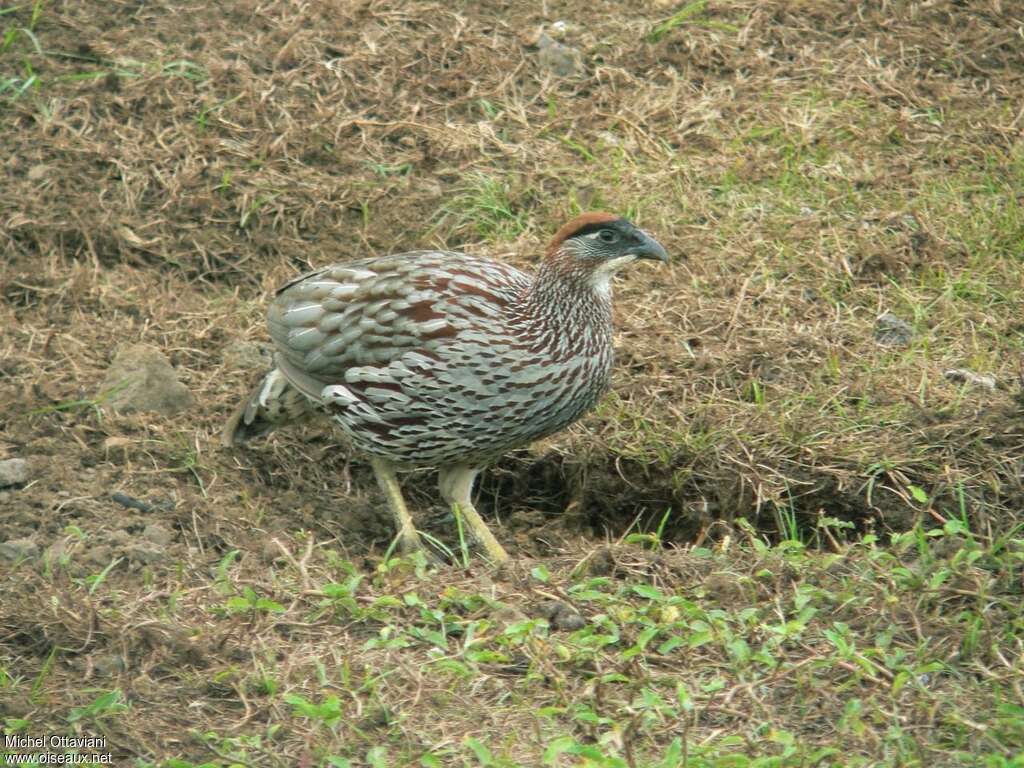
811 166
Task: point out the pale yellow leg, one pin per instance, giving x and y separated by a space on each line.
457 489
408 539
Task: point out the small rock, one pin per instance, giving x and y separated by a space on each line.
600 563
16 550
508 614
561 615
891 331
548 609
13 472
16 706
558 58
109 665
98 555
118 538
157 534
115 442
559 28
271 552
964 376
247 355
146 555
131 502
37 172
142 379
568 621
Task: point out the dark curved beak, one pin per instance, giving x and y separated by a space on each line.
649 248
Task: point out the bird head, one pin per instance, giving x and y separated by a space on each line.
601 244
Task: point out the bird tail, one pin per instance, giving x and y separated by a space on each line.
273 403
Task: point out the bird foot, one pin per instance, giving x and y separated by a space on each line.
410 542
480 533
495 551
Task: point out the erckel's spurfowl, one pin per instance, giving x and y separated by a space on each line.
439 359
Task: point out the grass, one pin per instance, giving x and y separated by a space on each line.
776 542
486 205
92 404
691 13
857 651
35 61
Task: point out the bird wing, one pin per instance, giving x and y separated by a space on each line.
363 325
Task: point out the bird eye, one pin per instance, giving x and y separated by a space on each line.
608 236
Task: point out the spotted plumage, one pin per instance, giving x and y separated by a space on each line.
436 358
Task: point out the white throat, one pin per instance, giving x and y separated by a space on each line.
600 278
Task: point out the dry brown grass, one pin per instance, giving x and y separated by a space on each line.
817 164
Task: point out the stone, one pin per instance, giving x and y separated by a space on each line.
147 555
15 550
891 331
568 621
38 172
13 472
558 58
270 552
508 614
980 380
98 555
141 379
109 665
560 615
155 533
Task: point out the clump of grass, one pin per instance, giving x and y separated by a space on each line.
487 205
84 404
691 13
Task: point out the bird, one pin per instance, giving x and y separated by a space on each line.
439 359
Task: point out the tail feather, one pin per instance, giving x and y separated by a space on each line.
273 403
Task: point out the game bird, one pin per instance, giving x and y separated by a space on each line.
440 359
